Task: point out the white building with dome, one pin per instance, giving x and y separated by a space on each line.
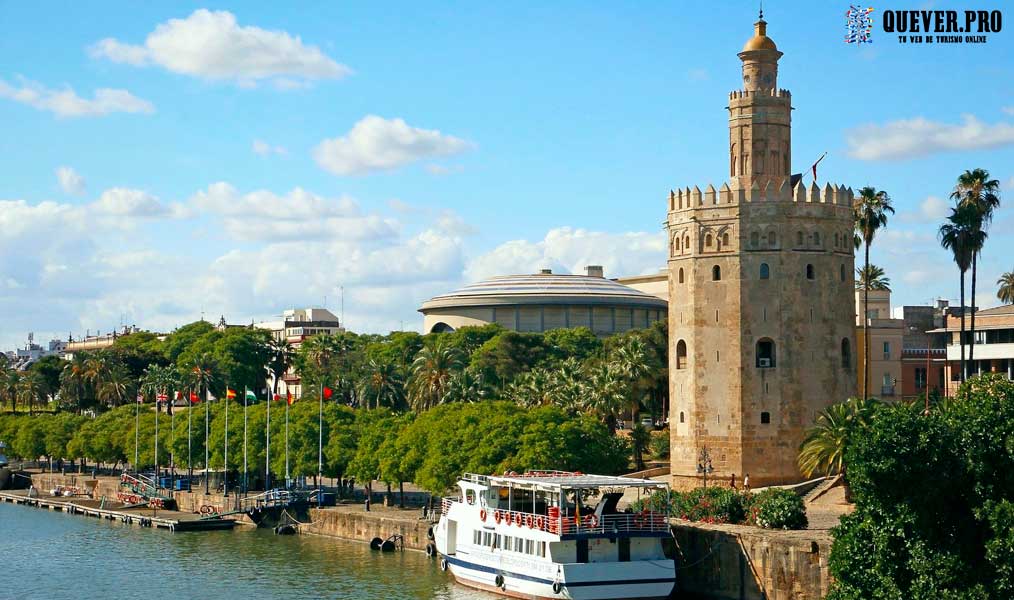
544 301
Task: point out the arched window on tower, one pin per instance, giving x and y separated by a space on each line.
681 275
765 353
772 239
836 239
754 239
842 273
681 354
682 417
810 274
725 240
707 240
686 243
716 273
765 271
799 238
816 238
846 354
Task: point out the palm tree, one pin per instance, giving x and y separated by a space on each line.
824 447
870 211
606 395
630 361
976 189
73 379
569 389
114 389
382 385
961 235
320 351
465 386
30 389
640 437
9 378
872 278
434 366
1006 291
280 355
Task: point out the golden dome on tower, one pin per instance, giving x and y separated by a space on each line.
760 40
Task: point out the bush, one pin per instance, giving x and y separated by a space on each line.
659 444
710 505
777 509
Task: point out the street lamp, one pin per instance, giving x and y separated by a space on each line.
704 464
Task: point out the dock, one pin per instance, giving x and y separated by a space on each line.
115 511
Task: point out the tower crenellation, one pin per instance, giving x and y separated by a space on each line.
761 318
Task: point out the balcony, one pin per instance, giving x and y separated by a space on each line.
563 525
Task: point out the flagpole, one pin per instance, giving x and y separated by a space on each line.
245 390
172 438
207 413
225 461
190 441
286 440
156 439
320 446
137 432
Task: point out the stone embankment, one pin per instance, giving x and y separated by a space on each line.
354 523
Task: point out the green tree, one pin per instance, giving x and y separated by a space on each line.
872 278
74 381
640 437
962 234
870 212
576 342
1005 292
9 378
508 354
49 367
976 190
280 356
432 370
31 389
381 385
824 448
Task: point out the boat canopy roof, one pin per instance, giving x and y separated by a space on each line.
555 481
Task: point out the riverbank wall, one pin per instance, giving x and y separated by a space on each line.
738 562
352 522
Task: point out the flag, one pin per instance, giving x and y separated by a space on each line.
289 398
194 398
250 396
162 397
327 393
230 394
277 397
209 396
140 399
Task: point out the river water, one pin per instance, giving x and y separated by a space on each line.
52 555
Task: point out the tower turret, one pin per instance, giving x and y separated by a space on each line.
760 116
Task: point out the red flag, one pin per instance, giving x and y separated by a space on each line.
194 398
289 398
277 398
162 397
327 393
140 399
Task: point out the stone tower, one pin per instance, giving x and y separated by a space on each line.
761 317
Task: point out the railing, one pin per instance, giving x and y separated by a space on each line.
142 486
571 525
273 498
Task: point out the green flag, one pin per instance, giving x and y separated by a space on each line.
250 396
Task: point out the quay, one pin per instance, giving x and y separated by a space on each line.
116 511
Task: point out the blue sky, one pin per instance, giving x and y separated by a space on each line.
238 158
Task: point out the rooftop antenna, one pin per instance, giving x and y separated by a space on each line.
761 10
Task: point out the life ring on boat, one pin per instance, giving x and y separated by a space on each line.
482 514
539 523
443 564
593 522
557 587
500 583
517 519
529 521
497 516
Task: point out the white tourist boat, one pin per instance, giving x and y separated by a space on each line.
554 534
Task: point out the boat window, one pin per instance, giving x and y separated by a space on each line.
476 537
470 496
518 544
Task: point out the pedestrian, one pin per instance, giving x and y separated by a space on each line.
746 482
367 502
732 481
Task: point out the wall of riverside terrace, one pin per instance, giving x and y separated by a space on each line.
357 524
736 562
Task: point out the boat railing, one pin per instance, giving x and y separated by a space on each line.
638 522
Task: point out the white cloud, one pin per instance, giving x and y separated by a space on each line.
931 210
910 138
262 148
377 144
568 250
212 45
1008 109
70 181
124 202
66 102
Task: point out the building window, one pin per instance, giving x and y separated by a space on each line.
920 378
842 273
816 238
772 238
725 240
765 418
765 353
765 271
754 239
799 238
809 272
836 239
681 354
686 243
887 350
716 273
846 353
682 417
681 275
707 240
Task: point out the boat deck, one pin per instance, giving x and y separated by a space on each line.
113 510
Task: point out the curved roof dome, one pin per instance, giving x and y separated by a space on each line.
544 288
760 40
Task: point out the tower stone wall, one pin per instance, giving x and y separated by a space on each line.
761 318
